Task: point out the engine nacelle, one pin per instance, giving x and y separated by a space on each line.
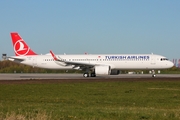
102 70
115 72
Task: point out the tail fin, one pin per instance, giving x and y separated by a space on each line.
20 46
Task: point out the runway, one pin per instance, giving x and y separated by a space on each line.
24 76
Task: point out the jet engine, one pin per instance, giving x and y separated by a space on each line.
115 72
102 70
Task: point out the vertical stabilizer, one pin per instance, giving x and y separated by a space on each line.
20 46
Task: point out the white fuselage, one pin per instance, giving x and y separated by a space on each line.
115 61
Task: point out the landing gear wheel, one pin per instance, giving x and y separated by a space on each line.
93 75
154 75
86 75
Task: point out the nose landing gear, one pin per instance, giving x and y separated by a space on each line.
153 73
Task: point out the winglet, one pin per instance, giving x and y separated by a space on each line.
53 55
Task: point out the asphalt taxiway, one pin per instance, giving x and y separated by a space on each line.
23 76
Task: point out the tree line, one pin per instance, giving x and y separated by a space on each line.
12 67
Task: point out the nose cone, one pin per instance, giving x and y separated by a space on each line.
170 64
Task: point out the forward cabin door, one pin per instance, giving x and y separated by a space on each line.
153 60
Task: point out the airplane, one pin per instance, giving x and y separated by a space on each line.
92 65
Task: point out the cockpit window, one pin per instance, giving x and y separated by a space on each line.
163 59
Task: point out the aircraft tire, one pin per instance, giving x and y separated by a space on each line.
93 75
154 75
85 75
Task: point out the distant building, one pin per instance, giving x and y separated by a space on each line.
175 62
4 56
179 63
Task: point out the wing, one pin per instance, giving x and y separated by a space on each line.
77 65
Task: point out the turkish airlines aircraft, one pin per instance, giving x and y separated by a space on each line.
92 65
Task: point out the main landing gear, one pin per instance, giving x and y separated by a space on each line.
86 74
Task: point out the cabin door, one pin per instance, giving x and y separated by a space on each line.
153 60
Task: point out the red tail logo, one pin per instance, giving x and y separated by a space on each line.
20 47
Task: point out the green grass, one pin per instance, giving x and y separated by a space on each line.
139 100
